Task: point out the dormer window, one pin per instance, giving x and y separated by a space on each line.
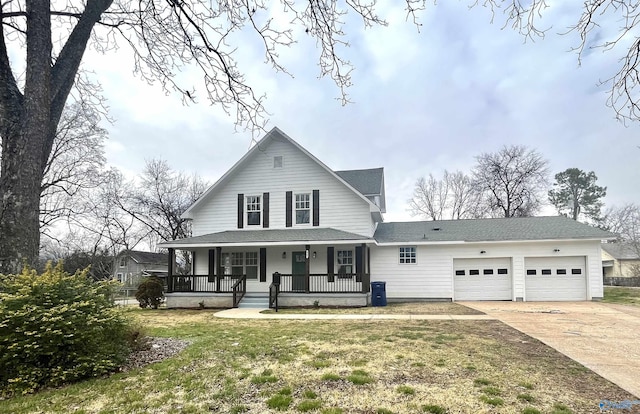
303 208
254 211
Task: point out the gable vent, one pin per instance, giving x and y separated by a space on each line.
436 229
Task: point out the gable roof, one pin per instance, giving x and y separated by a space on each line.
254 237
145 257
275 133
479 230
621 251
369 182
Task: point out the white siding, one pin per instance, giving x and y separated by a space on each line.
432 275
340 207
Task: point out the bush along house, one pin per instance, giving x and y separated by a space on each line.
281 215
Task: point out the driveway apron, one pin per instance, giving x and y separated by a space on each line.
604 338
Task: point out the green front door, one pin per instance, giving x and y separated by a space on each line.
298 270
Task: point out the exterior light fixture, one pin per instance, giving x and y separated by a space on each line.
483 251
314 255
284 255
556 250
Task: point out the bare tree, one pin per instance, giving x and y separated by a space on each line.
513 180
625 222
75 164
163 36
452 197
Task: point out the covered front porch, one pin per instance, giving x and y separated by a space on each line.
328 272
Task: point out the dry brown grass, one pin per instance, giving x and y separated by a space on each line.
451 364
405 308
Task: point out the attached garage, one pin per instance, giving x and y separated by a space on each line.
482 279
555 278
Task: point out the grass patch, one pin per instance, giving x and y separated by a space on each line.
622 295
359 377
495 401
525 385
492 391
216 372
309 394
434 409
279 402
321 363
478 382
526 397
531 410
308 405
265 377
406 308
383 411
330 376
406 390
559 408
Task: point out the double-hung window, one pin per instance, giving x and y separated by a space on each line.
254 210
407 255
303 208
241 263
344 260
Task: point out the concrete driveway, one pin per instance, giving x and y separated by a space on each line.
604 338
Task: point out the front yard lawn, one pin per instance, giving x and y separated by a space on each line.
332 367
622 295
407 308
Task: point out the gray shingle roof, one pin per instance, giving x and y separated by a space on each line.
146 257
267 236
367 182
509 229
621 251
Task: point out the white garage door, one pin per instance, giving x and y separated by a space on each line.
555 278
482 279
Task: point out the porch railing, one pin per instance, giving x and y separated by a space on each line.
202 283
239 290
322 283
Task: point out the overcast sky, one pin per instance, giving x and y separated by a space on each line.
422 102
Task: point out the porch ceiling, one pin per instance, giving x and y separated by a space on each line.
276 237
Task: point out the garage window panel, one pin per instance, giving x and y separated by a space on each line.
487 272
576 271
474 272
531 272
546 271
460 272
503 271
561 271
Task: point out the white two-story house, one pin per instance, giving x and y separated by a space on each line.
281 215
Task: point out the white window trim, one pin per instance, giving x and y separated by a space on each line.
353 261
415 249
227 263
293 208
246 210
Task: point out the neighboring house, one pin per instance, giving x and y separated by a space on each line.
280 214
620 260
130 265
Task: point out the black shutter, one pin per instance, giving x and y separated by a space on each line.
263 264
240 211
316 208
265 210
288 202
193 262
330 270
212 266
359 264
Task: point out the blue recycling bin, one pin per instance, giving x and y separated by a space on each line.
378 294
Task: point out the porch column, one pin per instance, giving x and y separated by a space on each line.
366 271
170 265
211 271
219 272
307 263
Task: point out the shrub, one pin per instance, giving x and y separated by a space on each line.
150 293
57 328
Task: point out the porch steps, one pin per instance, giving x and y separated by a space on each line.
255 301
